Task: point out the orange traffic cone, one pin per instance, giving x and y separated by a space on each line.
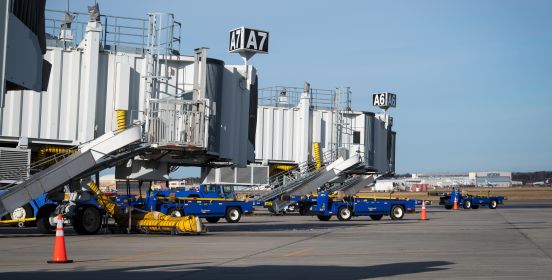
423 215
455 205
59 255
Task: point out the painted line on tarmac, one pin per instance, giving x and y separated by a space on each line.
298 252
277 247
135 257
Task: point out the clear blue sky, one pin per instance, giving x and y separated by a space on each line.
473 78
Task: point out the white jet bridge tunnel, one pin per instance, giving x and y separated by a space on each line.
111 73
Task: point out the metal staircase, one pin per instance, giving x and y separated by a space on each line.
88 158
329 173
306 178
287 181
353 184
343 185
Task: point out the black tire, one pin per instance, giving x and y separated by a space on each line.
344 213
493 204
212 220
397 212
475 207
175 212
303 210
376 217
233 214
324 218
88 220
43 223
448 207
467 204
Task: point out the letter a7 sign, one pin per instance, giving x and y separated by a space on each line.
248 40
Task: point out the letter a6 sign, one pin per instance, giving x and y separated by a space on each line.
384 100
248 40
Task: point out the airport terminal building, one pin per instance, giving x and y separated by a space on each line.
491 179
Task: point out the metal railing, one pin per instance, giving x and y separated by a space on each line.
283 96
116 30
176 122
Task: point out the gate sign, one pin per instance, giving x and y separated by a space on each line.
248 40
384 100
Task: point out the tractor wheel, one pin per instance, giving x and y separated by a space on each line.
233 215
376 217
212 220
303 210
397 212
21 213
176 212
324 218
467 204
344 213
88 220
493 204
46 219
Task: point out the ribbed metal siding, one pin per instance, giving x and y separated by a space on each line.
14 164
277 135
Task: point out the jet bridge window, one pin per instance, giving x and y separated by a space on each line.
356 137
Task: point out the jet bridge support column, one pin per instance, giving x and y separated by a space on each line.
91 46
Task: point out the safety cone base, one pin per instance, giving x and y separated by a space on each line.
65 261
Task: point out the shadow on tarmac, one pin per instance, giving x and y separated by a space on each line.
257 226
254 227
185 271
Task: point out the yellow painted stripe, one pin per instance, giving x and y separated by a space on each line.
298 252
17 221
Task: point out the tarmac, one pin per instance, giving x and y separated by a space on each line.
513 241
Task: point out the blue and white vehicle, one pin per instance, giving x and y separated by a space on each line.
324 206
470 201
211 202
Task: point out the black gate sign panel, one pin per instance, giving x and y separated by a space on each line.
248 40
384 100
